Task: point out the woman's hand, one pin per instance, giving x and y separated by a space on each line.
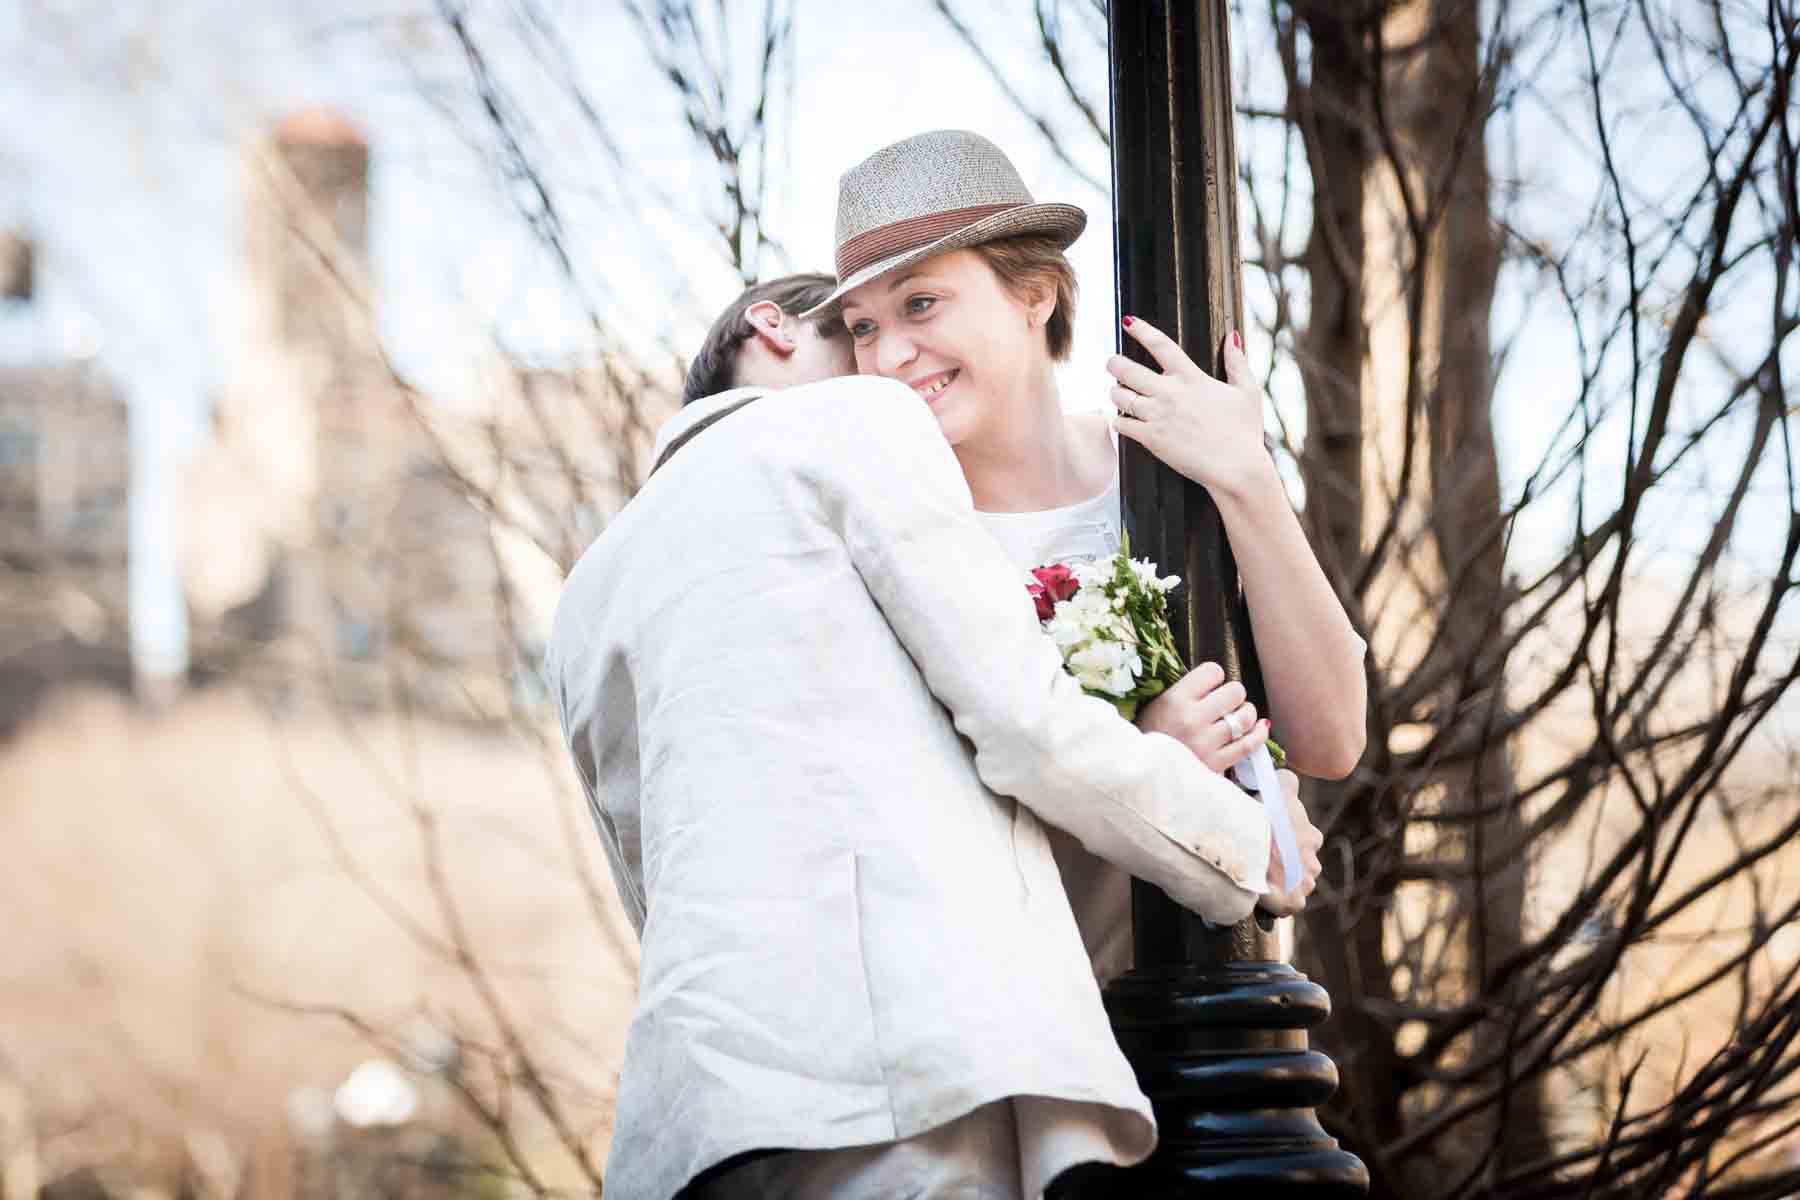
1210 431
1310 841
1209 716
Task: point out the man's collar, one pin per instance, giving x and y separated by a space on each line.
685 425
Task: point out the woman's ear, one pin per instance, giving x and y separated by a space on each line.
771 327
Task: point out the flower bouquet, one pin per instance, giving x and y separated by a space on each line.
1110 620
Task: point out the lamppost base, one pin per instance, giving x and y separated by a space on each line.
1319 1175
1222 1053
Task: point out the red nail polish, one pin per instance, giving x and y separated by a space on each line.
1264 722
1237 339
1128 320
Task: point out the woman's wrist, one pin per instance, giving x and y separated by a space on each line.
1253 486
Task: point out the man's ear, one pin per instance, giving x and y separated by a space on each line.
771 327
1040 302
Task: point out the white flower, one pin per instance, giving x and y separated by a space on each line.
1106 666
1091 602
1091 572
1145 570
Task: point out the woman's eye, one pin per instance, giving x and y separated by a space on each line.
861 329
919 304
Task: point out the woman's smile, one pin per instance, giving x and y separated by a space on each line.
932 387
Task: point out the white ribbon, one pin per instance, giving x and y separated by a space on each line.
1258 774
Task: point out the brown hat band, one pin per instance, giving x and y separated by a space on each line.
885 241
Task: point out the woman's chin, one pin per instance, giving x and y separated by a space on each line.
951 424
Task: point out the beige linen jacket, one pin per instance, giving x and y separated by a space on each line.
819 729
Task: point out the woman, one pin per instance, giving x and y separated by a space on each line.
952 279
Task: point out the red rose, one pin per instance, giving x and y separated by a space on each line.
1053 583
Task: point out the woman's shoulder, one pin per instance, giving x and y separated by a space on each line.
1092 436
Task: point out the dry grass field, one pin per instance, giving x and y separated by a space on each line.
176 880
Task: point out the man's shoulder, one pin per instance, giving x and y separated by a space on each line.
872 389
854 417
857 395
583 597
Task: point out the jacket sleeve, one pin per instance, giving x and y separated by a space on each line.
892 487
599 726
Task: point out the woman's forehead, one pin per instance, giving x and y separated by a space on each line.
945 267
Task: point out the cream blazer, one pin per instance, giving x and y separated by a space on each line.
820 732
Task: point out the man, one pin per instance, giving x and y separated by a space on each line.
819 727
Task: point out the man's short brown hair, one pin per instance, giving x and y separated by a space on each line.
714 369
1022 261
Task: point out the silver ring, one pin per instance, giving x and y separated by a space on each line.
1231 726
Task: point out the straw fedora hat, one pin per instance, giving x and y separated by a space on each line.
944 190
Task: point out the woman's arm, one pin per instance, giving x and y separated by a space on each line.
1312 658
1211 431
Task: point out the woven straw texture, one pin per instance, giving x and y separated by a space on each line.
944 190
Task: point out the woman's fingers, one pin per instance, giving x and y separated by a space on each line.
1233 751
1233 721
1200 681
1249 744
1221 699
1136 430
1136 376
1164 349
1135 405
1237 363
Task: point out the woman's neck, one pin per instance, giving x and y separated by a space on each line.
1030 464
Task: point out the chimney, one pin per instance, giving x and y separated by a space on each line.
310 195
16 255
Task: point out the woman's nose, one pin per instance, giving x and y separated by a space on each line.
893 352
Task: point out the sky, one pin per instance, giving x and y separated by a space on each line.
121 134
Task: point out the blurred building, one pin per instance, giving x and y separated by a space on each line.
340 532
324 540
64 510
64 482
345 530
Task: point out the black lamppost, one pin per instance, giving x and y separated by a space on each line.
1212 1020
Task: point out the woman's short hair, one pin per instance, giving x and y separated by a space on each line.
714 369
1020 262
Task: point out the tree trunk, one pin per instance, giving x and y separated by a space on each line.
1440 105
1466 516
1342 944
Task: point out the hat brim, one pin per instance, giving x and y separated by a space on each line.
1062 223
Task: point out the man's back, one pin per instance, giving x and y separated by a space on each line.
847 938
